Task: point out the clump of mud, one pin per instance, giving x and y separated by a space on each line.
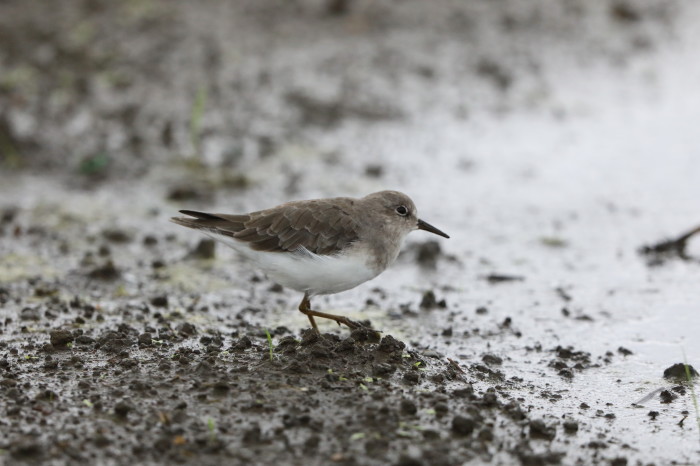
680 371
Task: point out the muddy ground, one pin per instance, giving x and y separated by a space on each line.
102 365
550 140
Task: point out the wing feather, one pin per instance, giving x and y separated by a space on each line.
322 227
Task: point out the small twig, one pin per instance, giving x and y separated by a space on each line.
455 365
501 278
677 245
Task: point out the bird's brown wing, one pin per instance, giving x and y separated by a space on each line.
321 227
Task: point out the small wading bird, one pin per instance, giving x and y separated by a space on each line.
320 246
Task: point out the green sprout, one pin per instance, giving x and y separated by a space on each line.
88 403
94 164
408 430
689 376
211 425
553 242
269 343
196 117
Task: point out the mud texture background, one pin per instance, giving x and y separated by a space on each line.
551 140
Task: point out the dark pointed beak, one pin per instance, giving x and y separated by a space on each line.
428 227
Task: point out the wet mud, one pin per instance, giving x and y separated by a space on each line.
86 384
535 335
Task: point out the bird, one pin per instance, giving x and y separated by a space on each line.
318 246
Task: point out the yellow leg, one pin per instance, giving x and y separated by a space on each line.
305 308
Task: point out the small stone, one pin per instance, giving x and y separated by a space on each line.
116 235
624 351
309 336
406 460
150 240
145 339
206 249
441 408
463 425
490 400
374 170
252 435
429 301
346 345
383 368
122 409
29 313
462 392
485 434
187 329
667 397
492 359
566 373
411 378
428 254
106 271
101 441
389 344
276 288
187 193
364 334
678 371
26 449
570 427
408 407
242 344
59 338
538 429
160 301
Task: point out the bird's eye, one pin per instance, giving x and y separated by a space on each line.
402 210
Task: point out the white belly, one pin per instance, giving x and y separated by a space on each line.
308 272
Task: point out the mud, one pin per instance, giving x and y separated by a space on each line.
549 141
85 383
